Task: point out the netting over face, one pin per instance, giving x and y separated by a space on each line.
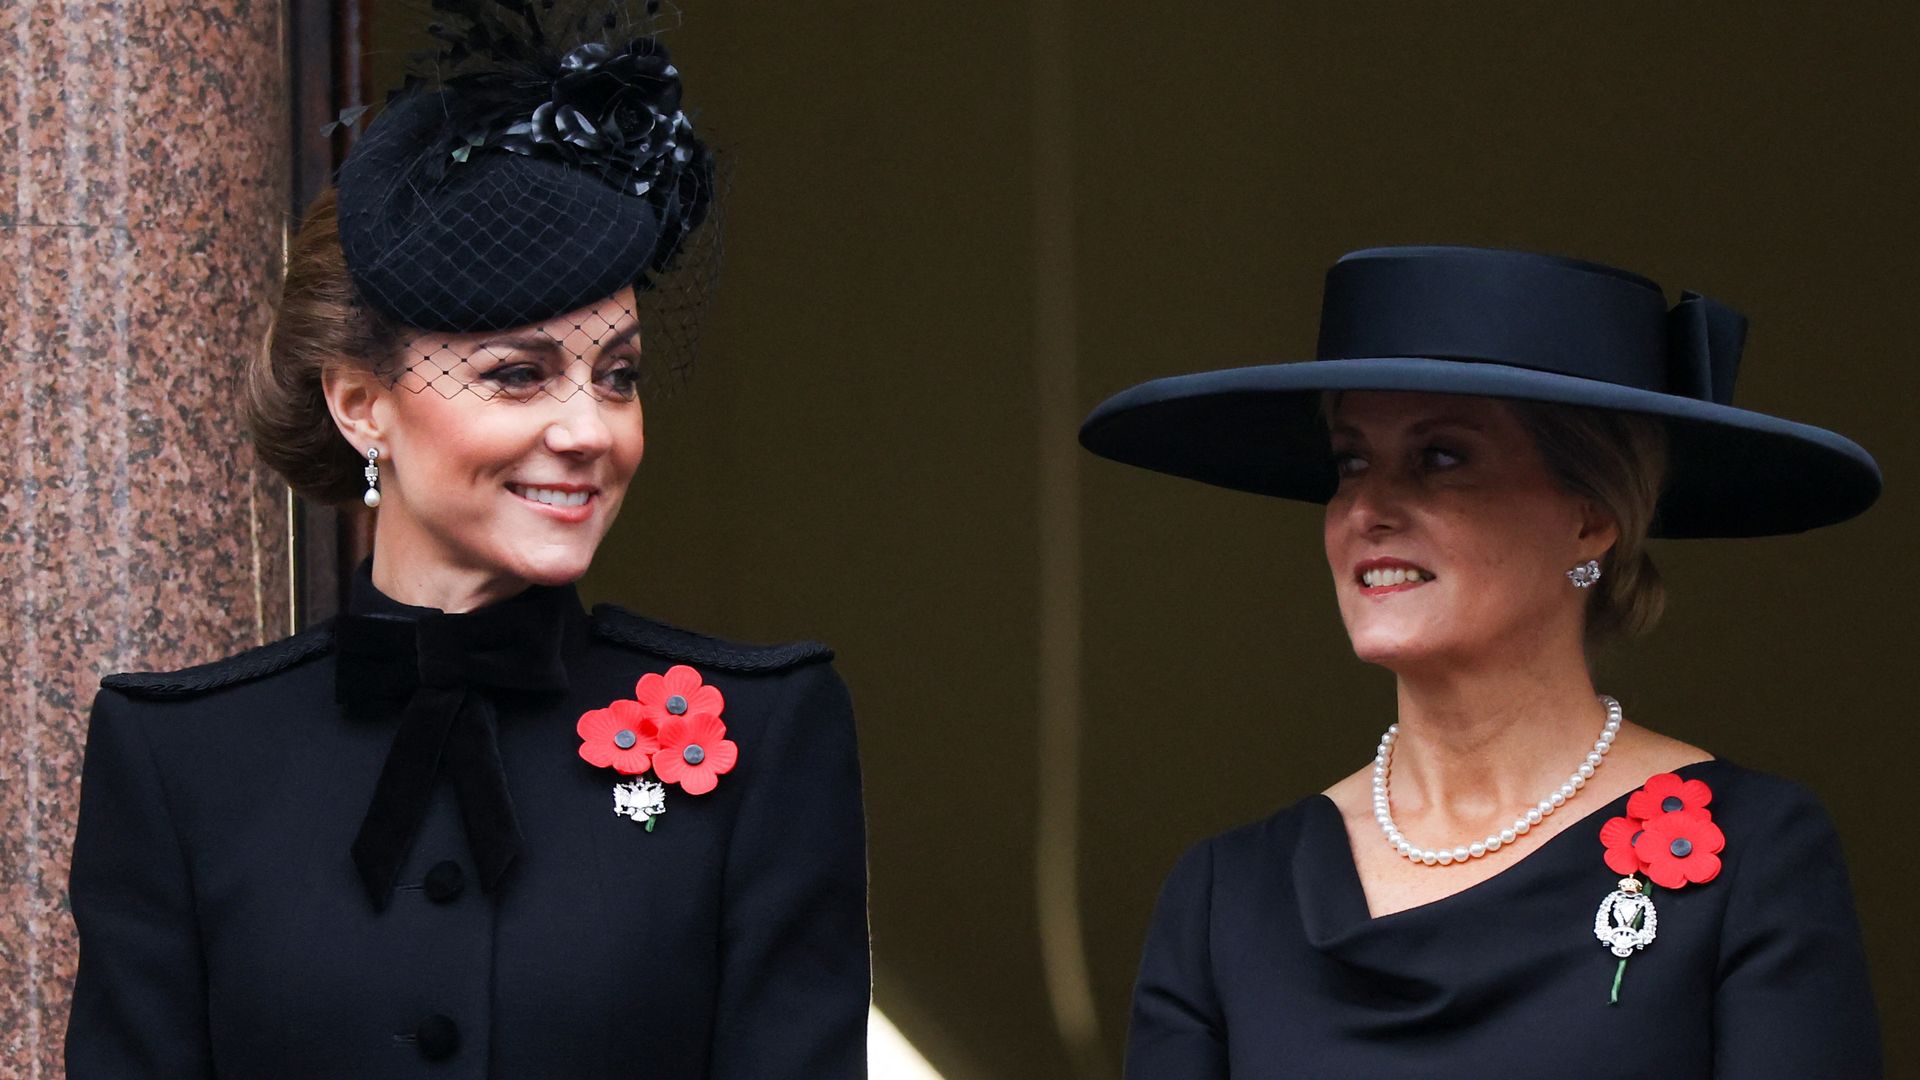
672 303
599 350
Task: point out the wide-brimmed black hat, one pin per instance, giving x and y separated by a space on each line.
1506 324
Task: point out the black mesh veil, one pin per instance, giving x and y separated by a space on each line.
534 208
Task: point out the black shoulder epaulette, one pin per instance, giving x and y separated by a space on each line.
623 627
253 664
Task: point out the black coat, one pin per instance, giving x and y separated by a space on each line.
1263 962
225 930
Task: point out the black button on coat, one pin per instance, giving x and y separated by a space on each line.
225 929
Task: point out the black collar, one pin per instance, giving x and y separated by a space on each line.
444 670
388 648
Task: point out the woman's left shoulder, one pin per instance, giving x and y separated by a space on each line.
760 683
1764 817
617 626
1752 795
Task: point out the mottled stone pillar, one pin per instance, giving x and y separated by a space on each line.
143 162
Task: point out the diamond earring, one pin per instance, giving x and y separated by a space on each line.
1584 575
372 497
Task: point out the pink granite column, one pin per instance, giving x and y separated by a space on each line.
143 186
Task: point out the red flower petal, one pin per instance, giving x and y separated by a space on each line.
1666 873
718 754
1702 868
596 737
1645 803
669 766
600 728
706 699
1697 794
654 691
1696 825
1618 834
1706 836
1667 793
682 680
631 715
722 756
706 727
1624 862
1695 833
651 690
699 779
675 733
633 761
593 723
678 731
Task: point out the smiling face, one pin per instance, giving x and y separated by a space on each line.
1448 538
504 457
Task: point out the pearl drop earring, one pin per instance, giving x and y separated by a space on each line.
1585 575
372 497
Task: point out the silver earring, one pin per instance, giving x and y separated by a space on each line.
372 497
1585 575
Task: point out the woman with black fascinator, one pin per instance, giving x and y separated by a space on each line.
467 828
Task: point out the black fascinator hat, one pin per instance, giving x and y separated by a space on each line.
1506 324
540 162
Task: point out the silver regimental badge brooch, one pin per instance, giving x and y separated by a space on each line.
1626 920
642 800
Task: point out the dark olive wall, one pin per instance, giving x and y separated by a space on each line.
860 457
854 462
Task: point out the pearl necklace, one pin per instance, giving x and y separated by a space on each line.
1383 759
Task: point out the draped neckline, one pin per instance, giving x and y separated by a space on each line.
1333 902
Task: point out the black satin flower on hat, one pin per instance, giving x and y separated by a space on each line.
618 112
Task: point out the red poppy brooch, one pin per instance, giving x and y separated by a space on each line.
1669 836
672 728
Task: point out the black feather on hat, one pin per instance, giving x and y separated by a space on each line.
542 164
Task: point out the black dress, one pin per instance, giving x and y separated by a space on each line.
248 906
1262 961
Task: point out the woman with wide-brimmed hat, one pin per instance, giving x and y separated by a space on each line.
468 828
1524 882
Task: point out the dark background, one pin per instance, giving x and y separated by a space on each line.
955 227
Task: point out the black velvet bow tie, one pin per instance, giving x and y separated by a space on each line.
441 672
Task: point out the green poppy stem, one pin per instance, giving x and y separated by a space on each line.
1621 971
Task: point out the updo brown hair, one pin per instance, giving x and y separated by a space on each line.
1619 461
321 324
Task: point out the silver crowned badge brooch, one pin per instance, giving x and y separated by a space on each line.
671 727
1668 835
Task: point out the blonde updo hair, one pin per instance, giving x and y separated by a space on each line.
321 324
1619 461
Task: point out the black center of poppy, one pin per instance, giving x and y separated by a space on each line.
694 755
624 739
677 705
1681 848
1636 837
1671 803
